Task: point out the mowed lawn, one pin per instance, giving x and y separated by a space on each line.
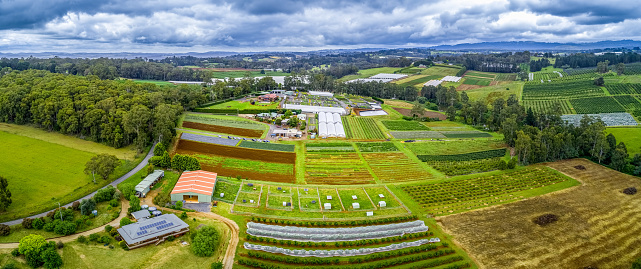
629 136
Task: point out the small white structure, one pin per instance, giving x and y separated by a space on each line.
329 197
356 205
451 78
327 206
222 195
354 197
302 117
382 204
381 196
370 213
433 83
284 203
317 93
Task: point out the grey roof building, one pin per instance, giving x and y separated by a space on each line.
146 184
152 231
138 215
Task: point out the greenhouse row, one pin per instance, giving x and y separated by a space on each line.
339 252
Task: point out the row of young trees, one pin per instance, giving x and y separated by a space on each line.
117 113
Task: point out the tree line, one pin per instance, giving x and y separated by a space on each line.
117 113
580 60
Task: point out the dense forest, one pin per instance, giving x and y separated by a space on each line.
580 60
117 113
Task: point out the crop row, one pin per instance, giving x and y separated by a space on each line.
376 147
505 77
334 223
458 191
545 76
329 147
362 128
453 168
548 106
395 167
465 134
382 264
561 90
623 88
595 105
357 243
267 146
403 125
494 153
628 102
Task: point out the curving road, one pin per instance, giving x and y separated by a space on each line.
139 167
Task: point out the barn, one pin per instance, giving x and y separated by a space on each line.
195 187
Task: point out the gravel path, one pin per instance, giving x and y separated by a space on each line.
140 166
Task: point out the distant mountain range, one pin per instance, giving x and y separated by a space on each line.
484 46
540 46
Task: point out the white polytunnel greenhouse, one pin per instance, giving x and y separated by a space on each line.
339 252
322 129
337 118
331 130
335 234
321 117
329 117
340 131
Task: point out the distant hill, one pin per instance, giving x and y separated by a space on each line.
539 46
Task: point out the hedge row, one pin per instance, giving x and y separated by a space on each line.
334 223
364 242
382 264
352 260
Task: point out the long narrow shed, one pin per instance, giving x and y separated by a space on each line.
146 184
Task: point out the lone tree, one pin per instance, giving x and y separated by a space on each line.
417 110
5 195
103 165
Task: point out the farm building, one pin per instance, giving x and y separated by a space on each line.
316 109
287 133
268 97
152 231
317 93
356 205
194 186
141 214
146 184
382 204
369 213
372 113
327 206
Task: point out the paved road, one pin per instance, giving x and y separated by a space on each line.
140 166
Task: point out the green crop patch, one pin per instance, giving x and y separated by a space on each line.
267 146
561 90
454 168
376 147
465 134
548 106
628 102
454 196
403 125
495 153
329 147
417 134
362 128
623 88
595 105
227 188
477 81
228 121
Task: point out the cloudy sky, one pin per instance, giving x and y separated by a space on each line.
247 25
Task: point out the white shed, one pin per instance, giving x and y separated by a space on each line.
327 206
329 197
354 197
356 205
382 204
370 213
381 196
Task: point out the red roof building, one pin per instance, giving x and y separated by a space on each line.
268 97
195 186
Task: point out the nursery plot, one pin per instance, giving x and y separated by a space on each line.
403 125
308 192
310 204
395 167
478 155
376 147
336 169
417 134
364 203
453 168
605 104
628 102
375 192
453 147
548 106
233 167
505 77
229 121
455 196
623 88
267 146
334 201
280 190
477 81
561 90
597 225
229 189
223 129
276 202
248 199
465 134
480 74
329 147
362 128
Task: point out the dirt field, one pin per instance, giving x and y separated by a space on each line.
465 87
598 225
223 129
186 146
429 114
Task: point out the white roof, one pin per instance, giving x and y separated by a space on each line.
322 131
317 93
369 80
316 109
331 130
373 113
337 118
433 83
388 76
340 131
451 78
321 117
328 117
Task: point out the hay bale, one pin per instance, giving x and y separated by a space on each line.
545 219
630 191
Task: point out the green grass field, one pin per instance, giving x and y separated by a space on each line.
157 82
629 136
228 121
491 93
477 81
244 105
440 71
240 74
365 73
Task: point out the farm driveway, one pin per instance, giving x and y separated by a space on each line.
140 166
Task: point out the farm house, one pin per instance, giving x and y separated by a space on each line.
146 184
194 186
152 231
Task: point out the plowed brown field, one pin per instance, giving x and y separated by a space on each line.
429 114
598 225
236 152
222 129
